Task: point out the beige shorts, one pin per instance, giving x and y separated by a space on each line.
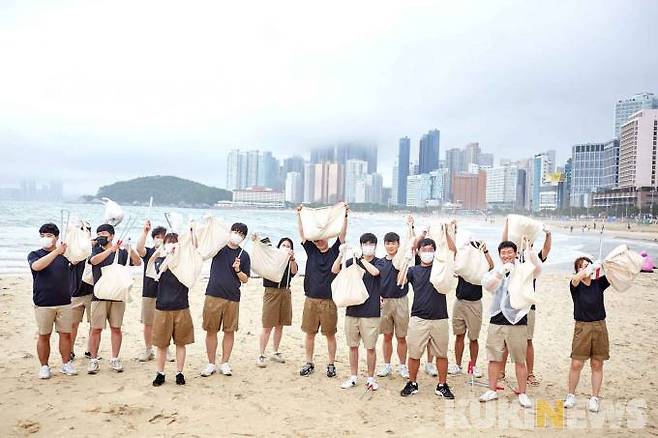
110 311
320 314
277 307
395 316
467 316
59 316
80 306
357 329
424 332
512 336
590 341
220 313
531 324
148 310
176 324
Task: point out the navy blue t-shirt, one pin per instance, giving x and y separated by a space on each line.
388 278
96 269
149 285
224 281
318 276
468 291
371 308
428 303
588 301
171 294
78 287
52 285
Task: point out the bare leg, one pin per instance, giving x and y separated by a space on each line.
521 376
116 337
180 357
161 358
331 347
94 342
278 333
43 349
442 368
387 347
89 339
309 346
459 348
530 357
211 347
227 346
148 330
493 371
574 374
371 360
473 348
402 350
413 365
597 375
65 346
74 334
354 360
264 339
501 371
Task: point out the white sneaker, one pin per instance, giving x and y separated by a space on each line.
146 355
477 373
68 369
488 396
372 384
93 367
569 401
403 371
349 383
430 369
44 372
524 400
454 369
385 371
277 357
260 362
225 369
593 404
116 365
209 371
170 357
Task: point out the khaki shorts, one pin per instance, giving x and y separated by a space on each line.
220 313
148 310
176 324
59 316
80 306
531 324
361 328
395 316
590 341
111 311
277 307
467 315
422 332
512 336
320 313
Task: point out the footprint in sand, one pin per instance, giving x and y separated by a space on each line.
28 426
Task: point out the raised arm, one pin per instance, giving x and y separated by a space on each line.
505 232
300 227
487 256
135 259
535 261
335 268
548 241
141 241
343 232
46 260
449 241
370 267
101 256
579 276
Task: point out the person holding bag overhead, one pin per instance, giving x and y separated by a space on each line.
277 306
319 309
362 321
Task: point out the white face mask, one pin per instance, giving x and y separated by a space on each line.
426 257
235 238
46 242
169 247
157 242
368 250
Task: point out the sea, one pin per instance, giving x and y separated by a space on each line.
20 222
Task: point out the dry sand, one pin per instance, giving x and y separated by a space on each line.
276 401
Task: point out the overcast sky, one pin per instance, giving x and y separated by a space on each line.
92 92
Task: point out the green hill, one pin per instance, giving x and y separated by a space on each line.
166 190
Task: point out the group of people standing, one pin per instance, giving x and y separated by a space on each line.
61 299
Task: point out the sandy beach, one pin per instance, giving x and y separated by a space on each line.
276 401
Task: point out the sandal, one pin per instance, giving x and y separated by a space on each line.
533 380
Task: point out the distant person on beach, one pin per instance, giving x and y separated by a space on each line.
80 301
647 262
508 329
362 321
277 306
230 268
103 311
428 326
171 318
320 311
590 338
149 286
52 300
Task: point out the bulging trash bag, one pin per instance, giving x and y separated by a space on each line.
78 241
211 236
348 288
471 263
185 262
113 212
115 282
442 275
400 260
268 261
519 227
88 274
323 223
621 266
521 290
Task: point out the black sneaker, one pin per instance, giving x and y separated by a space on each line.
409 389
160 379
331 370
180 379
87 355
307 369
72 356
443 390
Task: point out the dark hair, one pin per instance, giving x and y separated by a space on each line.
368 238
427 241
391 237
157 231
578 261
49 228
285 239
105 227
506 244
170 237
240 228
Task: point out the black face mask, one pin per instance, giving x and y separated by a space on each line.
101 240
